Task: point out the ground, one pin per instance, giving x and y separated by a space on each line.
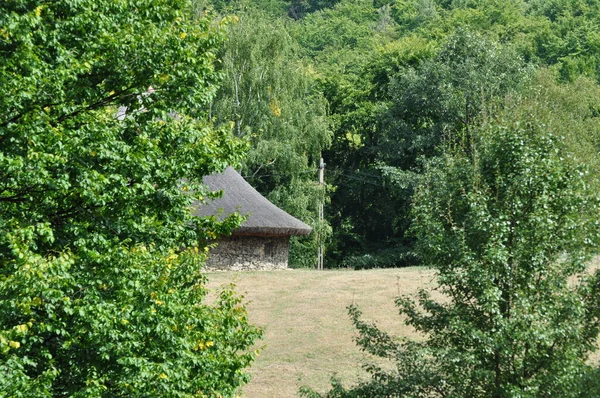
308 335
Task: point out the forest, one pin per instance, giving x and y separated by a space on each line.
463 135
376 88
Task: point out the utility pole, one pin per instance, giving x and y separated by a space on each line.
322 199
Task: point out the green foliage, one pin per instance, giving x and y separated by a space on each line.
271 98
67 159
94 301
348 25
508 223
355 57
274 8
398 76
127 327
561 33
298 8
446 96
425 97
558 105
591 384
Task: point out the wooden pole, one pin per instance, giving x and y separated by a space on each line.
320 238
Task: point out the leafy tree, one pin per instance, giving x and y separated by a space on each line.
558 105
355 55
271 98
417 99
348 25
559 33
508 222
298 8
228 8
104 111
448 95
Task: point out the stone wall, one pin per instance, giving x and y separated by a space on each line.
248 253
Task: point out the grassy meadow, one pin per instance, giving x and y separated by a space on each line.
308 335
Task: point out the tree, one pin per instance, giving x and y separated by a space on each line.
298 8
508 222
271 98
104 112
408 103
558 105
355 54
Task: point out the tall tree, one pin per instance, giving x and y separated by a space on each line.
418 97
508 222
271 98
103 113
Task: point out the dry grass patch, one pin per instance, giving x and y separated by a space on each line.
308 335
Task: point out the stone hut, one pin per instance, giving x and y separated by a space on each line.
262 241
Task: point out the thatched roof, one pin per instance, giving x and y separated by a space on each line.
264 218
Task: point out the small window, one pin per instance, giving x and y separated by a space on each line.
269 252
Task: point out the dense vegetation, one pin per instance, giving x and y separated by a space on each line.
413 104
96 297
464 136
375 86
508 223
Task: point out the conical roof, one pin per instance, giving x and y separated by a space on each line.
264 218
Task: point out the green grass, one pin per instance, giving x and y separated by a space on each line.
308 336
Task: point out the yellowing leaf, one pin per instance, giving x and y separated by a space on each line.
274 105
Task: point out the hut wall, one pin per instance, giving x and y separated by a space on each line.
248 253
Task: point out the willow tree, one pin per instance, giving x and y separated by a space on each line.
96 132
270 97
